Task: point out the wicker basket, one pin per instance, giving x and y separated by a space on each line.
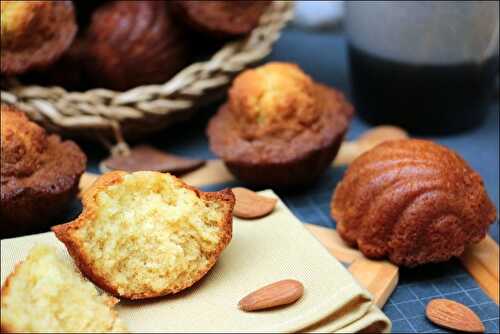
105 114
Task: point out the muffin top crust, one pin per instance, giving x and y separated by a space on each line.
273 100
34 33
33 161
273 107
23 143
413 201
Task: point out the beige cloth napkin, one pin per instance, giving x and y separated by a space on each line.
261 252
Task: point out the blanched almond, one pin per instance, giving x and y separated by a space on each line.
251 205
450 314
280 293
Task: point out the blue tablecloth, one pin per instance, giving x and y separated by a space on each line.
323 56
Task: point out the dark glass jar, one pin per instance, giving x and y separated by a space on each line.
430 67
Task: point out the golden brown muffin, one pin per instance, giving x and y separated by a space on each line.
39 177
220 18
46 295
412 201
133 43
147 234
34 33
279 128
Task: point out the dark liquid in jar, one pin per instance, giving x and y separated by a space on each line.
421 98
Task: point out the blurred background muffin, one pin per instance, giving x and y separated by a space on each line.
84 10
34 33
412 201
66 72
132 43
39 176
220 18
279 128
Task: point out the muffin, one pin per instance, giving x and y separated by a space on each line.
39 176
45 295
412 201
147 234
133 43
34 33
279 128
220 18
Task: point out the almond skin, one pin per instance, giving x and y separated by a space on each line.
450 314
276 294
250 205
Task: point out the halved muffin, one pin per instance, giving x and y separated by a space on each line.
279 127
34 33
44 294
147 234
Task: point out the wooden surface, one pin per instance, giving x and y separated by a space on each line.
378 277
482 262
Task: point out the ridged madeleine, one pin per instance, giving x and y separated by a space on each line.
412 201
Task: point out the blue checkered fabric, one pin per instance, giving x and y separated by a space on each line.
406 306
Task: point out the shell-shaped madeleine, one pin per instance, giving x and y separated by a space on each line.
413 201
133 43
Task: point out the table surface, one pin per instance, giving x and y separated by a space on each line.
323 56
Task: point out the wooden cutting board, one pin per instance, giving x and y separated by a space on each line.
378 277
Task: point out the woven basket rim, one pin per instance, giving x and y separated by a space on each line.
109 111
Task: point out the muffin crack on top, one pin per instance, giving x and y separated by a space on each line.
147 234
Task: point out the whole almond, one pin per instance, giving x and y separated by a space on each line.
276 294
450 314
251 205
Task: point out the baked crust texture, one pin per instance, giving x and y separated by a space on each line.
35 33
412 201
279 128
133 43
39 176
67 234
220 18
